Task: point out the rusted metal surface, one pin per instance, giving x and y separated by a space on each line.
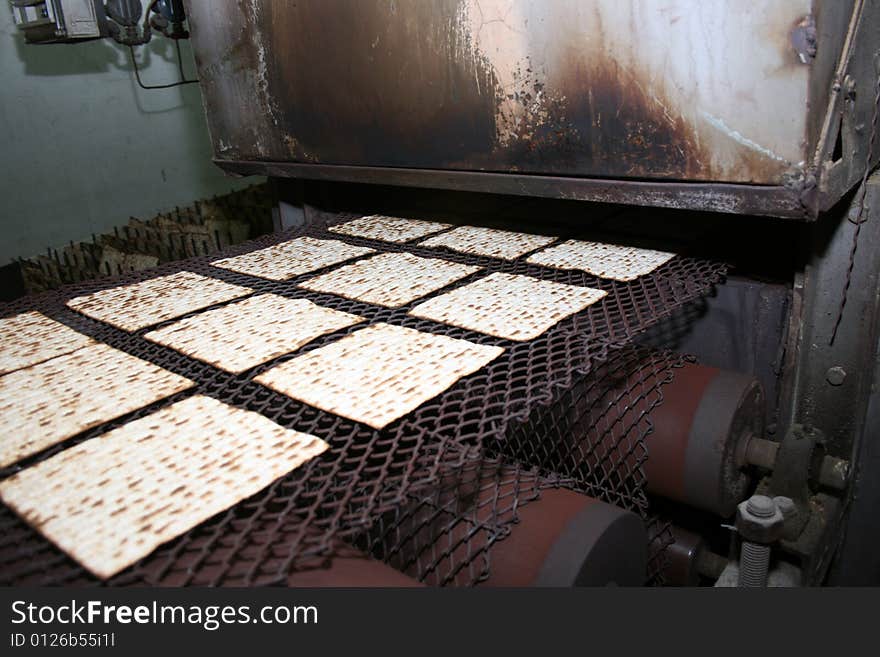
721 92
762 200
842 152
813 396
603 88
836 406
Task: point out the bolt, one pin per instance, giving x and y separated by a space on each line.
834 473
849 87
789 512
760 523
786 506
835 375
761 506
754 565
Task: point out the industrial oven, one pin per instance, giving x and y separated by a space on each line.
713 421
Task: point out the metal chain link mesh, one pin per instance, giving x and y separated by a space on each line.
593 439
394 491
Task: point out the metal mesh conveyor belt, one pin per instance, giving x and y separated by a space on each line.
443 536
363 488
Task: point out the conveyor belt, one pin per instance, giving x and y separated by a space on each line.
367 476
443 537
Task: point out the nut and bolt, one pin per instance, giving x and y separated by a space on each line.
760 522
835 375
786 506
789 511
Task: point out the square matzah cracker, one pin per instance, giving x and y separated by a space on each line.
378 373
388 229
50 402
389 279
30 338
508 305
288 259
249 332
112 500
132 307
618 263
491 242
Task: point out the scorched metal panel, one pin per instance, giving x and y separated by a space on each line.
719 91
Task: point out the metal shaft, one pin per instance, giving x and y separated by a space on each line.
833 472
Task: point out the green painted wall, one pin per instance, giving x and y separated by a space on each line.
83 147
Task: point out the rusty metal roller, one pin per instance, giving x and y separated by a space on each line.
350 568
695 421
559 537
706 415
568 539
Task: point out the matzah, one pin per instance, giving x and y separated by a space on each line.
388 229
292 258
389 279
112 500
508 305
132 307
379 373
50 402
249 332
618 263
490 242
30 338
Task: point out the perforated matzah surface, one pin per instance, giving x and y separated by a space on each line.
508 305
292 258
379 373
30 338
388 229
491 242
159 476
50 402
135 306
389 279
249 332
618 263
